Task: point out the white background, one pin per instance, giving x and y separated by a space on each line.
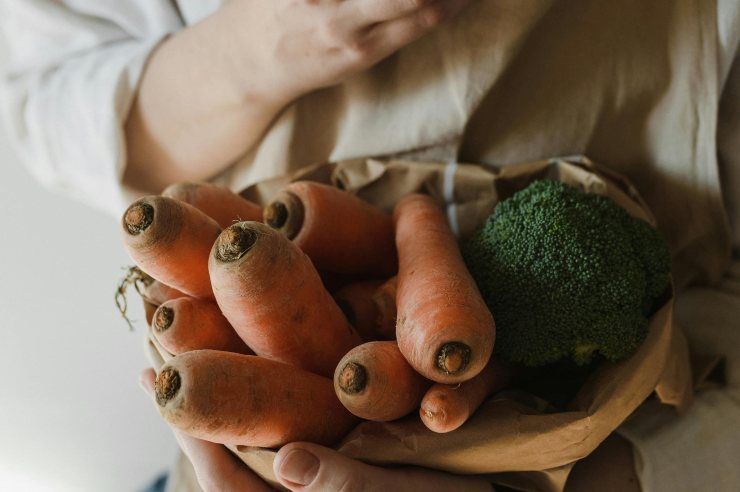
72 416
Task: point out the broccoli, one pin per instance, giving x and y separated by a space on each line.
567 274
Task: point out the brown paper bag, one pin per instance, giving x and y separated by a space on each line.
511 439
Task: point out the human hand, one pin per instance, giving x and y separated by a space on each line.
308 467
286 48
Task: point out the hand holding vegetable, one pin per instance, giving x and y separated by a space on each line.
269 291
308 467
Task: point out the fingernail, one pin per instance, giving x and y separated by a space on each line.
299 467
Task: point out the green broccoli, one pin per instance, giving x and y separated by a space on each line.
567 274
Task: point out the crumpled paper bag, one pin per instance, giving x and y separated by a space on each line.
513 438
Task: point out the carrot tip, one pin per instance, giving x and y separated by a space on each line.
163 318
353 378
432 415
138 217
234 242
285 214
276 215
166 386
453 358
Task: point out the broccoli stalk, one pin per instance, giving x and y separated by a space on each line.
567 275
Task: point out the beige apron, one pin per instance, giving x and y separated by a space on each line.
632 84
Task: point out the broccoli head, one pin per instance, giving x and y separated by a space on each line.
567 274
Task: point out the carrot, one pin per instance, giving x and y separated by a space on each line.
356 302
444 328
154 295
186 324
247 400
149 310
385 305
374 382
171 241
333 282
273 297
158 293
218 202
337 230
445 407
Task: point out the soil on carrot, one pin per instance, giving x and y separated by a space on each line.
138 217
234 243
353 378
286 214
166 385
163 318
276 215
453 357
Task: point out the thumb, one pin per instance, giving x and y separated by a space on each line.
307 467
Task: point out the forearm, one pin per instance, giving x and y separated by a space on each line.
195 113
210 92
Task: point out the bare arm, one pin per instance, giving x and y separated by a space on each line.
192 116
210 91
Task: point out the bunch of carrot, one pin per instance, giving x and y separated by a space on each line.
319 301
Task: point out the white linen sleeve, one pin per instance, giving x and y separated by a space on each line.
73 72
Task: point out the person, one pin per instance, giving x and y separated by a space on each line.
109 99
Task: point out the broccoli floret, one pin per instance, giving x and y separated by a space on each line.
567 274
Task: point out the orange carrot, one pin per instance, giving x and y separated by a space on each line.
158 293
333 282
218 202
444 328
154 295
337 230
171 241
149 310
247 400
273 297
356 302
186 324
445 407
385 305
375 382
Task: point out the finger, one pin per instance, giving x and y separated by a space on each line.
146 381
387 37
367 12
216 468
307 467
